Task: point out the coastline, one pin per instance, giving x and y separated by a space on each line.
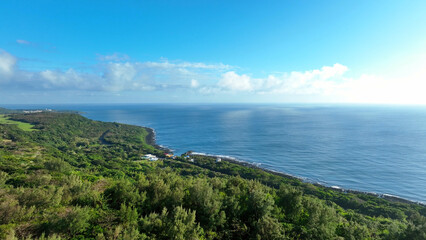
151 140
388 197
243 163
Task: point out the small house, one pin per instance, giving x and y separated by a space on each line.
218 160
150 157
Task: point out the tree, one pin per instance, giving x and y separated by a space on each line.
259 202
269 228
207 204
183 226
123 192
290 199
128 216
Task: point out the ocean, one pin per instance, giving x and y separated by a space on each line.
380 149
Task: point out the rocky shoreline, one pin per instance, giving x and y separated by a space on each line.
151 140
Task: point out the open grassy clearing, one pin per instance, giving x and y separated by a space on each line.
4 119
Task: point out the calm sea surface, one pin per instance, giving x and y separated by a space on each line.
369 148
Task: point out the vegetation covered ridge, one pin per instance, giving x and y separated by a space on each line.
76 178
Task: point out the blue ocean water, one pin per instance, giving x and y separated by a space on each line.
378 149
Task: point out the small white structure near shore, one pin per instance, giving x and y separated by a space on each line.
150 157
218 160
37 111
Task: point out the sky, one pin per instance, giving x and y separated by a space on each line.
213 51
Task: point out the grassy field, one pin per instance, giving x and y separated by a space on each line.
22 125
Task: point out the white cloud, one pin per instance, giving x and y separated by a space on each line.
7 65
330 82
204 66
232 81
120 72
69 79
24 42
309 82
111 76
194 83
120 76
115 57
166 64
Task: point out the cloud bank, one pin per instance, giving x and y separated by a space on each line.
112 74
116 74
318 81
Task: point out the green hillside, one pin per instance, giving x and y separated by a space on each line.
4 119
74 178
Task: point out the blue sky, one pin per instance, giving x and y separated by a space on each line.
212 51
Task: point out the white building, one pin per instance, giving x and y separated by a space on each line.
150 157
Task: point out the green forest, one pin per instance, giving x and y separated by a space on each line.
63 176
